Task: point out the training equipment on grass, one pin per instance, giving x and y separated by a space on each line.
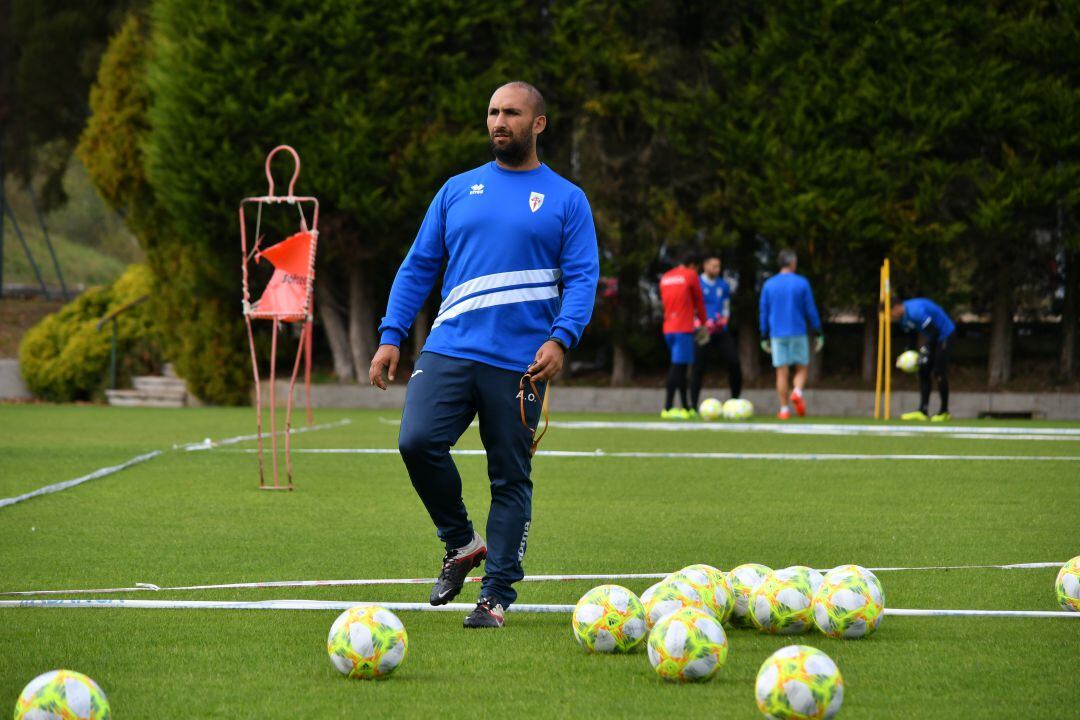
781 605
908 362
286 298
712 585
609 619
367 642
798 682
710 409
688 645
883 371
850 602
1067 585
671 594
742 579
738 409
62 695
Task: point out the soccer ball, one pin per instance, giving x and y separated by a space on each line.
850 602
609 619
687 645
738 409
673 593
799 682
742 580
781 604
649 591
1068 585
367 642
908 361
710 409
712 585
62 695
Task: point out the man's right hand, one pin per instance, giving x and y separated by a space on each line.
386 357
766 345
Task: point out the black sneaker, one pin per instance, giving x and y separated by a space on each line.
487 614
456 565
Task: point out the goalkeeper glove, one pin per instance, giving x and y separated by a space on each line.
766 345
819 342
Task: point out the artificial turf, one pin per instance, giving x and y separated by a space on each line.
189 517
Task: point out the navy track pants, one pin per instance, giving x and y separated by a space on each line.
443 397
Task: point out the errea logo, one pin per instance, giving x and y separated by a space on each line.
477 189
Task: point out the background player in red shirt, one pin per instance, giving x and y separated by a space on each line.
680 291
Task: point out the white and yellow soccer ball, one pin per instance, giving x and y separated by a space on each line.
671 594
609 619
688 645
62 695
710 409
742 579
799 682
781 605
1067 585
367 642
908 361
850 602
712 586
738 409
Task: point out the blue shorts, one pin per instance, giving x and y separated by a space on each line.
681 346
794 350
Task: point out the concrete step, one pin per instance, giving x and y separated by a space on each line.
139 398
157 384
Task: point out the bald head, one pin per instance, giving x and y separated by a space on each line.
536 100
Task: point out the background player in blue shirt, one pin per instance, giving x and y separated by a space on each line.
920 316
720 341
521 268
787 310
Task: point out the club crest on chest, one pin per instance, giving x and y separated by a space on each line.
535 201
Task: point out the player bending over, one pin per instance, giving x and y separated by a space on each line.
921 316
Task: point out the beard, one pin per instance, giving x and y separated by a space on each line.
515 153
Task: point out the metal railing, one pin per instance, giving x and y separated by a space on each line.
111 318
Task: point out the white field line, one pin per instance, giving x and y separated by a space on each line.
209 444
424 607
57 487
598 453
954 432
204 445
151 587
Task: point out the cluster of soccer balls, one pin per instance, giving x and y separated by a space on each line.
681 620
734 409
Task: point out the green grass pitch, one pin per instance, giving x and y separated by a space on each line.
198 517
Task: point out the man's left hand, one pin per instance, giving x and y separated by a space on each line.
819 343
548 362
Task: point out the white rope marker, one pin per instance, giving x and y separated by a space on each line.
599 453
209 444
424 607
57 487
151 587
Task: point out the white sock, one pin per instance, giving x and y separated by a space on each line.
785 408
796 393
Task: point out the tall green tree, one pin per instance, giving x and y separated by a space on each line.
382 108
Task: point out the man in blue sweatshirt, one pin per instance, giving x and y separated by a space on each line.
787 311
521 268
920 316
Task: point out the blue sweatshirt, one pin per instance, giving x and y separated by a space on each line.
521 266
717 297
787 306
927 317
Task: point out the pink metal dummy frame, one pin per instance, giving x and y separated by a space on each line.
304 313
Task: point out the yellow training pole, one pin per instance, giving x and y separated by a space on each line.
888 340
880 346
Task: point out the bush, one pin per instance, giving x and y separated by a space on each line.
65 357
